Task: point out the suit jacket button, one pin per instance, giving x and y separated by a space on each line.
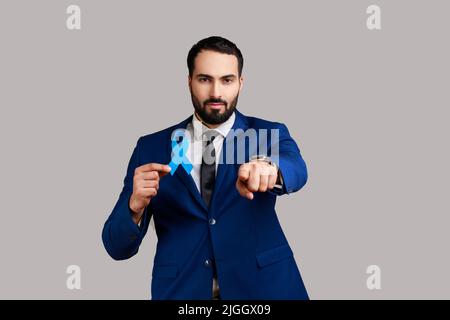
207 263
212 221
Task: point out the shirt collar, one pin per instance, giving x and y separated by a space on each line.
223 129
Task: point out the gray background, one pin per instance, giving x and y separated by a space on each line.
369 110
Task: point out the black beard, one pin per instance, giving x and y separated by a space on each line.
214 117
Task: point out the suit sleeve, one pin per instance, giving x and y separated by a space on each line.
290 162
121 236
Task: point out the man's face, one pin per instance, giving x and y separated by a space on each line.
215 86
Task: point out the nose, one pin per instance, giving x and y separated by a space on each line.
215 90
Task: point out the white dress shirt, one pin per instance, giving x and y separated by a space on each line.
197 141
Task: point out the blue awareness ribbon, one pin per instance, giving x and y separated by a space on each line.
179 151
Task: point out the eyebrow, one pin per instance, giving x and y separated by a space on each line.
210 77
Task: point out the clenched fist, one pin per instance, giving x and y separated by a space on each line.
256 176
145 187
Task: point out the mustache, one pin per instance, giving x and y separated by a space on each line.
215 101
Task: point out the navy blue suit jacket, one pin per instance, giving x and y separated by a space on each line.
246 243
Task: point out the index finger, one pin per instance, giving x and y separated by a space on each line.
244 172
161 168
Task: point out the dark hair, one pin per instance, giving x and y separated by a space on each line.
218 44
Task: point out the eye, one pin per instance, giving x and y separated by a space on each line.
228 80
203 79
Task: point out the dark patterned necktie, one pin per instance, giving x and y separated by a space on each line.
208 168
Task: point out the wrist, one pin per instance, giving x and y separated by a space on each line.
135 209
264 159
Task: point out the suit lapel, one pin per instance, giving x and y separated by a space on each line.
181 174
191 186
